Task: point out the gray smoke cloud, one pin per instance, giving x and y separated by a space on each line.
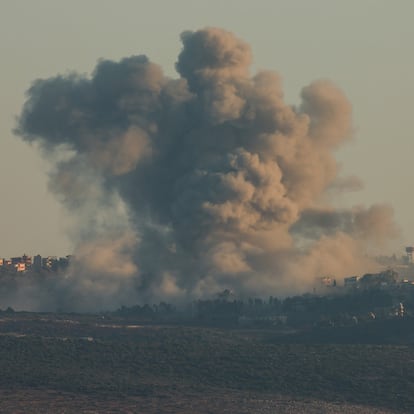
180 188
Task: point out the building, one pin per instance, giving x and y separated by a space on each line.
20 267
27 260
50 263
410 251
351 281
37 262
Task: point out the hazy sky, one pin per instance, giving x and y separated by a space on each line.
364 46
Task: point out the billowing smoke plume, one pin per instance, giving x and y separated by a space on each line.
184 187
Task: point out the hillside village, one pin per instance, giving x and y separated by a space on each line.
382 295
25 263
397 270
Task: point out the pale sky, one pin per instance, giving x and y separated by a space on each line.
364 46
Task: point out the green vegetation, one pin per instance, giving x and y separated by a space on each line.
352 348
153 361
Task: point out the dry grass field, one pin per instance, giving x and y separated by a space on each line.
82 364
30 401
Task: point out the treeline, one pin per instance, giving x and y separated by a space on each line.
340 309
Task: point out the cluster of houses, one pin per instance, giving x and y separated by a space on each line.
385 279
373 280
36 263
399 272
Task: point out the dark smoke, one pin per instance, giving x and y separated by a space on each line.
184 187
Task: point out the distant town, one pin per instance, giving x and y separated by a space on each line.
396 270
21 264
384 295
